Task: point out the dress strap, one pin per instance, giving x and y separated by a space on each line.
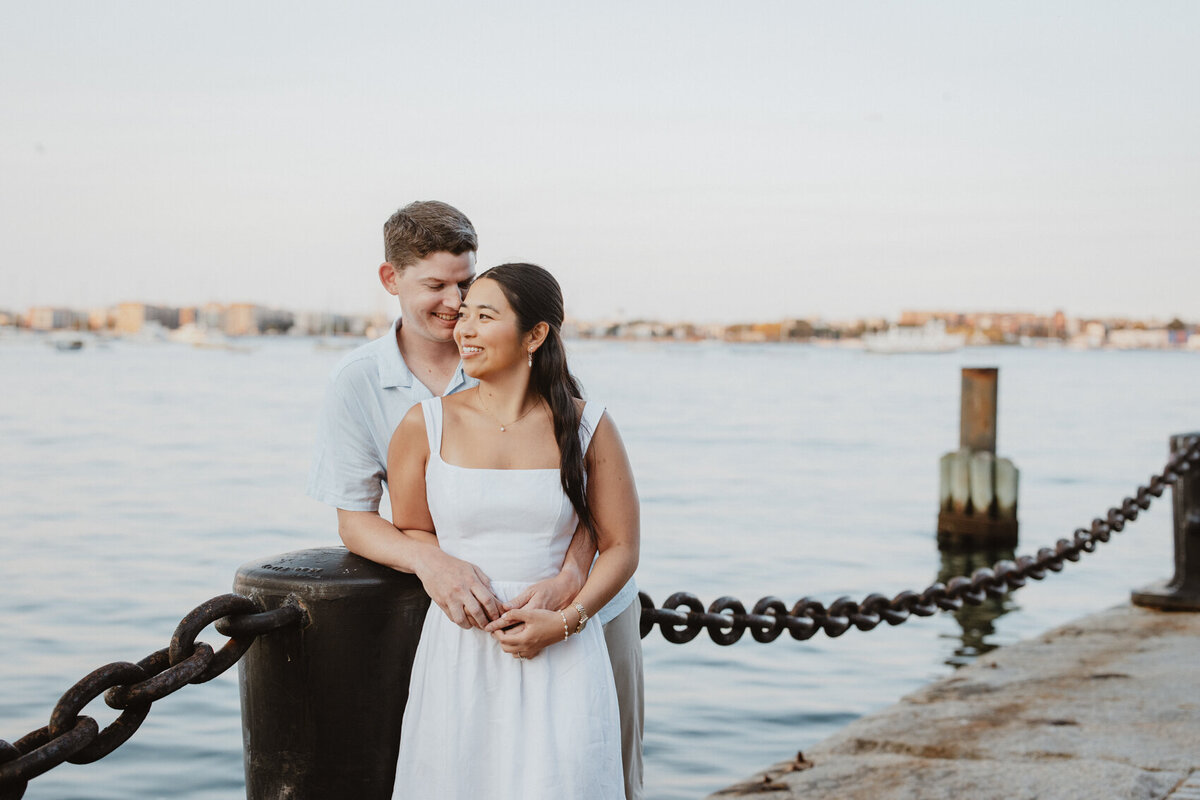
588 420
432 409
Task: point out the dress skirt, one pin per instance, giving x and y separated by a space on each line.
482 724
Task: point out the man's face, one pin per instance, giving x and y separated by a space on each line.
430 293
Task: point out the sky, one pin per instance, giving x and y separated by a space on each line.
703 161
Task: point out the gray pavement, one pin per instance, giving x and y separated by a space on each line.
1106 707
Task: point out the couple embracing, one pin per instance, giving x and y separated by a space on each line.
513 502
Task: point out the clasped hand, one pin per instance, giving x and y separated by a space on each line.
531 621
525 632
461 590
526 625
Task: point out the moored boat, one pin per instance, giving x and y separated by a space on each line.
928 338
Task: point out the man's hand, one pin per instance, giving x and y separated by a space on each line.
459 588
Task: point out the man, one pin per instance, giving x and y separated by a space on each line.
430 261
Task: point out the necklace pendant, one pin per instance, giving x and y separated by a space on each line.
502 429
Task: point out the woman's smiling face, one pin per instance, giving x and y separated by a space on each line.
486 333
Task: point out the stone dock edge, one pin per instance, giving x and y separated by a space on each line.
1104 708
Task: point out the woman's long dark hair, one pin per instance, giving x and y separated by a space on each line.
535 297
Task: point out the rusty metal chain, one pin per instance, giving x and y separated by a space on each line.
683 616
133 688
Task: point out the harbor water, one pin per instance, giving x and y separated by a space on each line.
135 479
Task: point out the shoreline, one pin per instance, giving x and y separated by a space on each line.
1106 707
104 338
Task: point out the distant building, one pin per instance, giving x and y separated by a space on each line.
132 317
239 320
916 319
325 323
643 329
47 318
100 319
42 318
210 316
275 320
1058 325
247 319
1094 334
1177 333
756 332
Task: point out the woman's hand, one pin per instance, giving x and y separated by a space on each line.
550 594
535 630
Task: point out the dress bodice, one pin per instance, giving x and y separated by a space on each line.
514 524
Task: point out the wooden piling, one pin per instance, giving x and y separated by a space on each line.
978 492
977 419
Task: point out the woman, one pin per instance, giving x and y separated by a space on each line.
503 474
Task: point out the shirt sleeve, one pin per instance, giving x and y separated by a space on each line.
347 470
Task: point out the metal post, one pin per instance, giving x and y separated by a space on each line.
1182 592
322 702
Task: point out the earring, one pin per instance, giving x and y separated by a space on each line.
531 357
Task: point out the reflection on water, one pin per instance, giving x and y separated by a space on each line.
977 622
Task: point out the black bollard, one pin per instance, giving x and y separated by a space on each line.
322 702
1182 592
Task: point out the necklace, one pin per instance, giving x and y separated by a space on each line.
503 425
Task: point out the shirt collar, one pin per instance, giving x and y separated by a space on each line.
459 380
393 372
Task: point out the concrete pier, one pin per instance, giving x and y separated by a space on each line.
1104 708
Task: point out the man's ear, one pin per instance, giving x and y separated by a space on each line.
388 276
537 334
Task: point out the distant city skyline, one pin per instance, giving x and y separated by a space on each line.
210 325
212 313
710 163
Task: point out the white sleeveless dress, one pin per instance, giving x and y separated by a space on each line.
480 723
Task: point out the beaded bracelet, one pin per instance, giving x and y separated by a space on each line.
566 629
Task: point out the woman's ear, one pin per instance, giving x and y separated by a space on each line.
536 335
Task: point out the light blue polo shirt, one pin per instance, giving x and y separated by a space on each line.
369 392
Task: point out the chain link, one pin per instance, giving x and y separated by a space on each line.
683 616
133 688
62 719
